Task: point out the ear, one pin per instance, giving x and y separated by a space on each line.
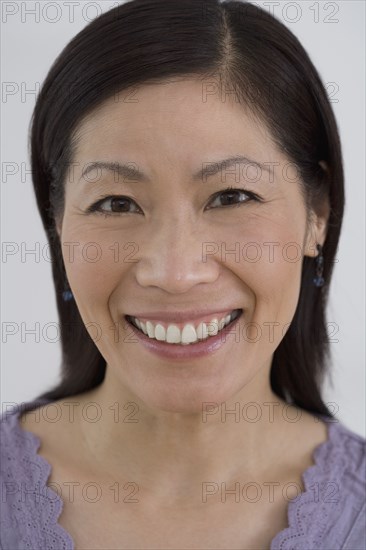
317 228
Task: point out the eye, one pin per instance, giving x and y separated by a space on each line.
121 205
116 205
234 197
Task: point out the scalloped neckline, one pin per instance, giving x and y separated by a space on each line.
307 475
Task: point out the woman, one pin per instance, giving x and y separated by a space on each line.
188 172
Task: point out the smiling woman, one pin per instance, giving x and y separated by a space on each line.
199 135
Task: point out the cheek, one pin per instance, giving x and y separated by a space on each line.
268 261
92 266
268 264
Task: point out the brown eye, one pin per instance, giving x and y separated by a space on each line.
120 204
233 197
115 205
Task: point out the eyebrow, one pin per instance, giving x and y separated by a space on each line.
129 171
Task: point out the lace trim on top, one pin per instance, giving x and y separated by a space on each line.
301 512
314 513
47 503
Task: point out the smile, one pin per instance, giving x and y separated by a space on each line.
183 333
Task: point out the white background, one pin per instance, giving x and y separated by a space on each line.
333 33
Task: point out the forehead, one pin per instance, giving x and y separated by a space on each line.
175 118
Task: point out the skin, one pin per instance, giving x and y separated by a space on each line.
169 133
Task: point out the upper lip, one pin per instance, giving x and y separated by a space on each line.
182 316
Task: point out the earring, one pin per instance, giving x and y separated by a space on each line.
319 260
67 295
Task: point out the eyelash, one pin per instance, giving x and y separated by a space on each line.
94 208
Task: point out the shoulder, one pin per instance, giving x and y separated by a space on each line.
340 461
18 451
337 484
331 512
340 465
344 455
17 442
29 509
341 480
21 439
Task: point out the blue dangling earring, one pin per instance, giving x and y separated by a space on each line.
319 280
67 295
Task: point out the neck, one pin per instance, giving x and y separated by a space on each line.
173 452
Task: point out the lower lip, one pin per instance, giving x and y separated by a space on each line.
185 351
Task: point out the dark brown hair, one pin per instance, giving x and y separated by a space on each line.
246 49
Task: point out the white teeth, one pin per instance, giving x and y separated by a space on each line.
213 327
202 331
173 335
150 329
188 335
159 332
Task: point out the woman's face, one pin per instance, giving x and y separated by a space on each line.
176 246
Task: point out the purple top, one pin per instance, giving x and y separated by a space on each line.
329 514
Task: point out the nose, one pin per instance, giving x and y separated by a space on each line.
172 258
